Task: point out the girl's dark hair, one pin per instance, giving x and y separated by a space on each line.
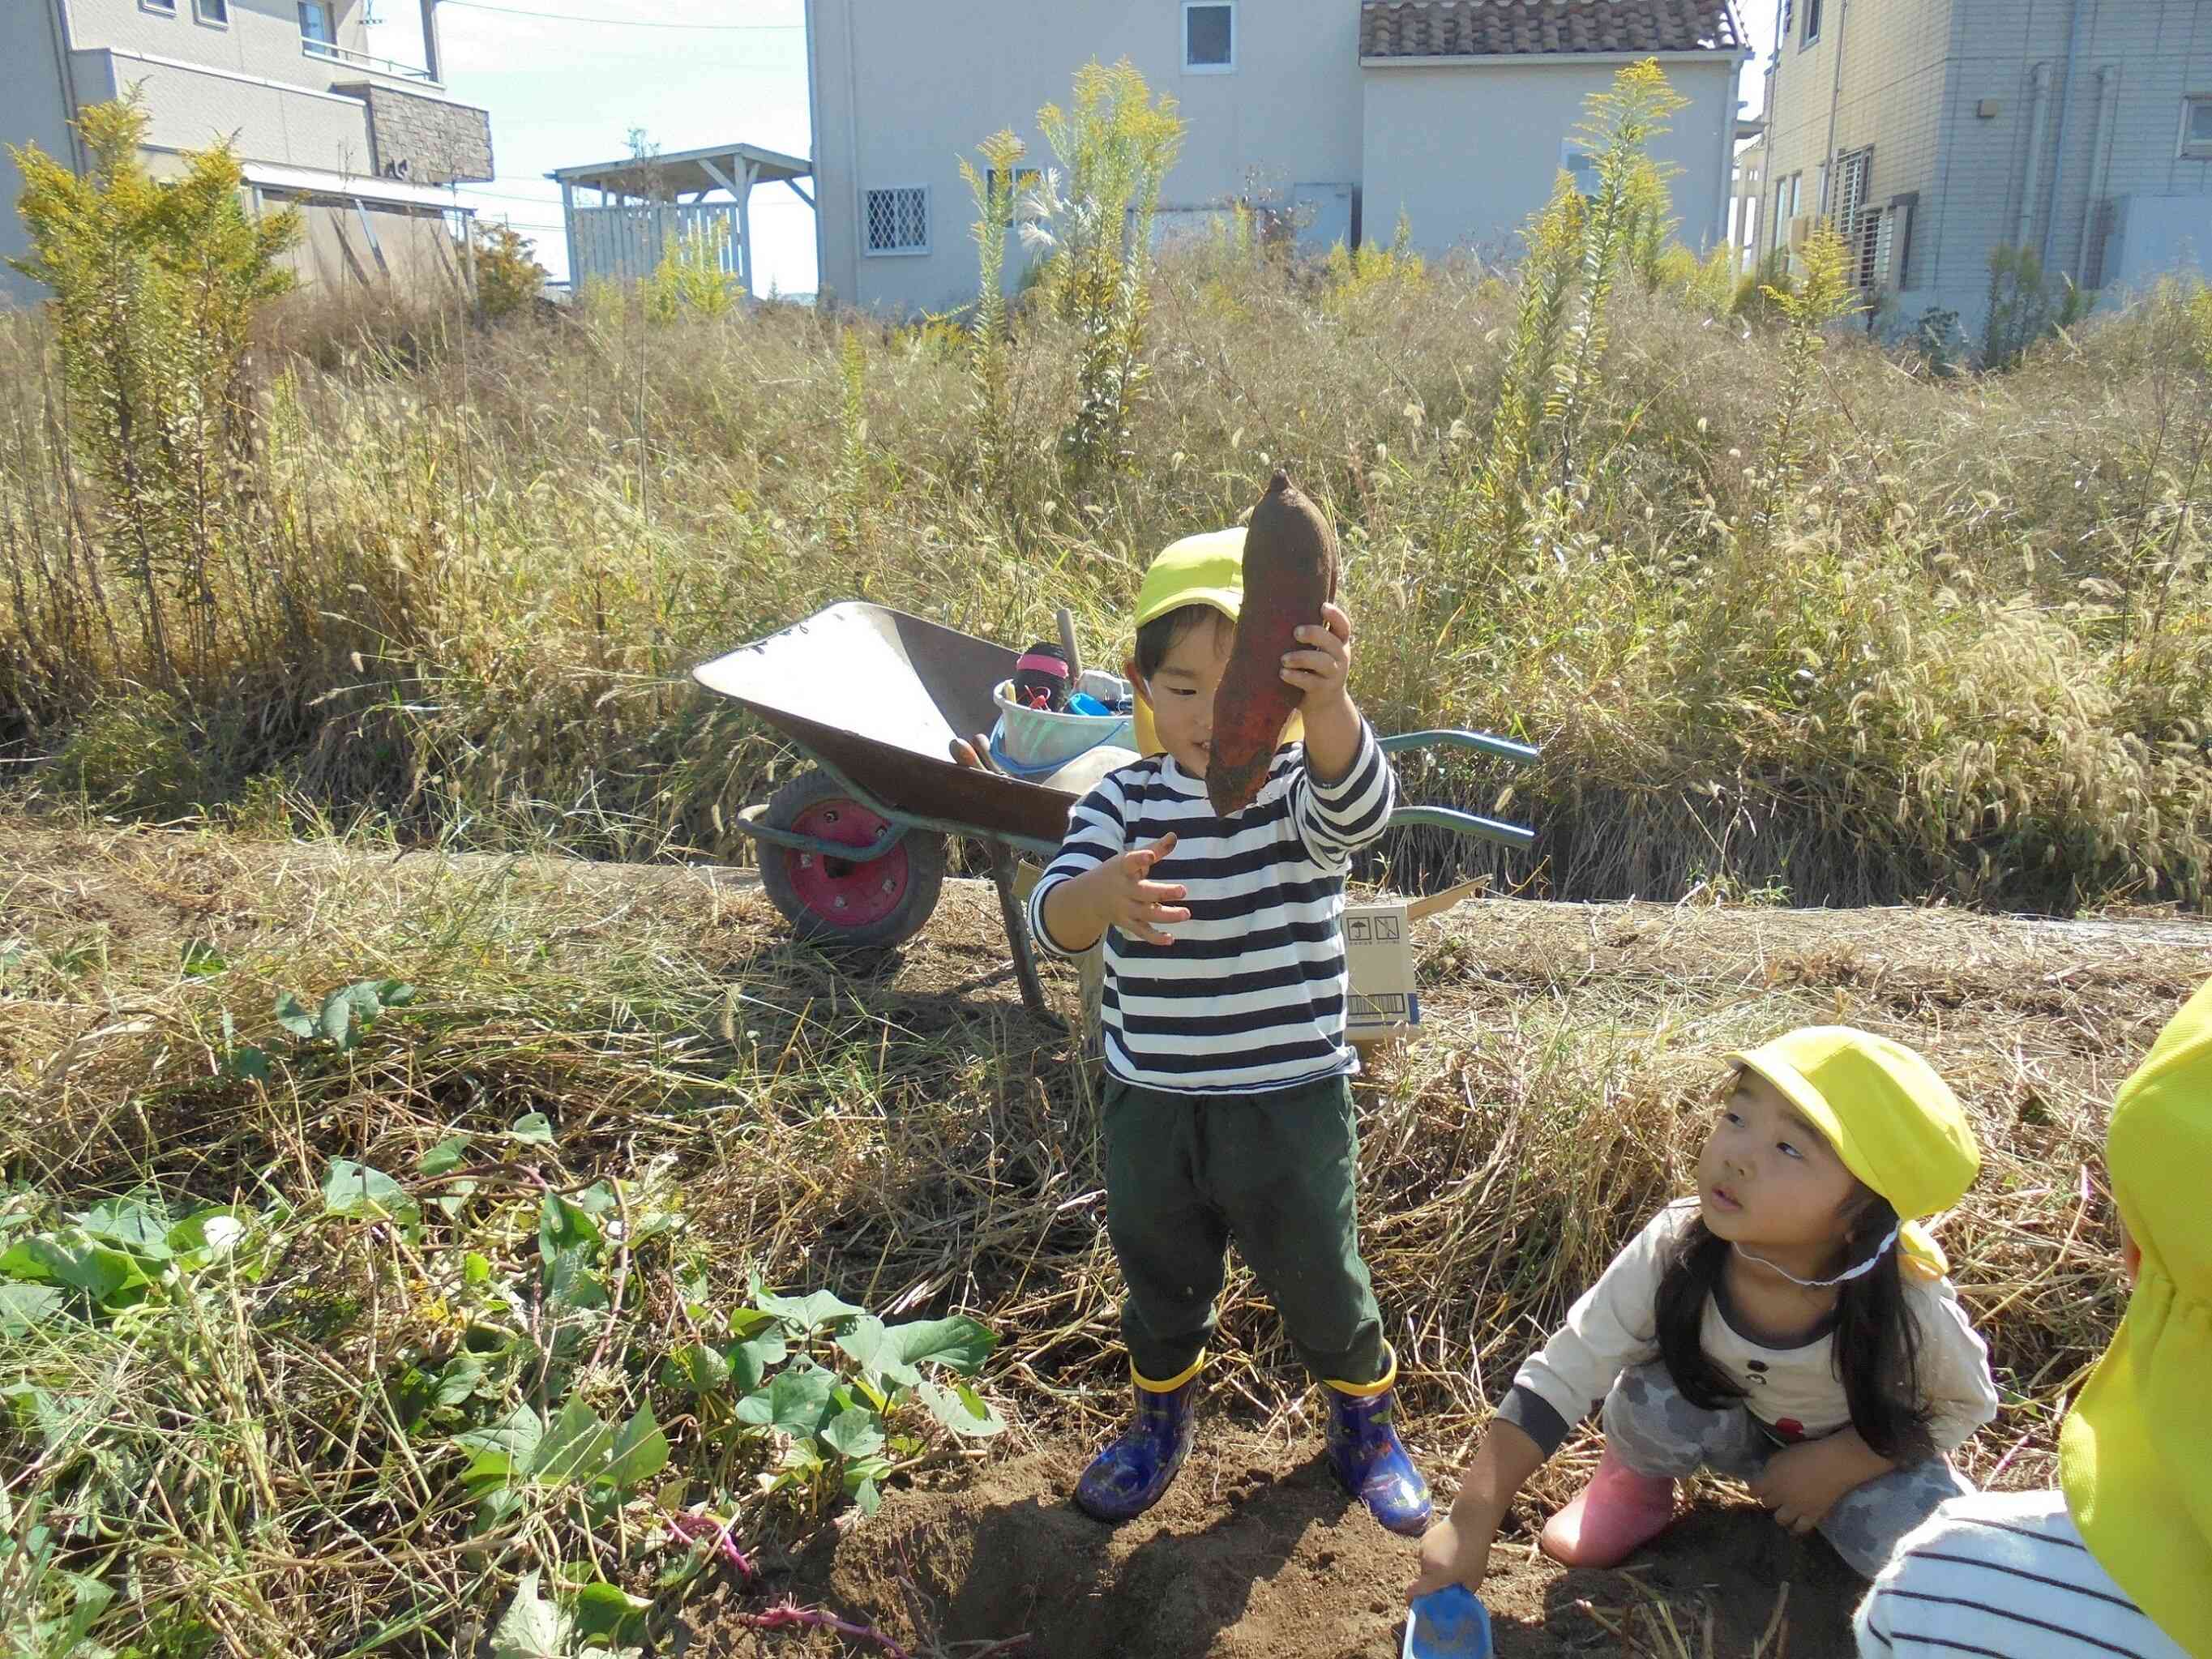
1877 1340
1157 637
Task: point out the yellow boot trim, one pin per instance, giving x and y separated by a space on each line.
1369 1390
1172 1383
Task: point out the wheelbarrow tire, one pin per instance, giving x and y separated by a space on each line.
832 903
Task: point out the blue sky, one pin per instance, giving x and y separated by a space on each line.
690 72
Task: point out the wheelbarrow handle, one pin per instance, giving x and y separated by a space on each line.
1516 836
1503 748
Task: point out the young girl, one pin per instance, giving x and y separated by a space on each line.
1790 1325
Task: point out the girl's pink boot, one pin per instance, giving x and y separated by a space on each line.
1610 1518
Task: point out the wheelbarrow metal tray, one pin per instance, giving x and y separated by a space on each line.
879 696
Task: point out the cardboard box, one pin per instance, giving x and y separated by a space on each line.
1378 949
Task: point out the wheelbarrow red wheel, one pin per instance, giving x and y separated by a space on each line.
833 901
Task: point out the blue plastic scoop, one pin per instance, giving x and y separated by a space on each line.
1448 1624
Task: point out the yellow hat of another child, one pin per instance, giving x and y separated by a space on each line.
2133 1456
1206 569
1893 1121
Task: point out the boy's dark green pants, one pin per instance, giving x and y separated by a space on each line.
1276 1172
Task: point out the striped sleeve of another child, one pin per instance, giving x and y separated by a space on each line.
2005 1575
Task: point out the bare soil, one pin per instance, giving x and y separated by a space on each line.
1255 1554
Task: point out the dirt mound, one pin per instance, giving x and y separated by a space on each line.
1256 1551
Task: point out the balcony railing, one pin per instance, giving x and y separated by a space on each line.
337 54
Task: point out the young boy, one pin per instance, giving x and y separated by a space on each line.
2120 1559
1228 1100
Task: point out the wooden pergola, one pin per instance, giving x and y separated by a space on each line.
644 200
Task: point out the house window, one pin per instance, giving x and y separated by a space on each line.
2196 127
214 12
1209 37
1579 165
315 35
161 8
1796 194
898 220
1811 22
994 182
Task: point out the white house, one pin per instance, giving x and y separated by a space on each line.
1935 130
1459 114
359 144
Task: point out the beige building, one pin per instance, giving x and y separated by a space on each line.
1459 114
361 145
1936 131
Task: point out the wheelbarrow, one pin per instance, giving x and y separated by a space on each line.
853 851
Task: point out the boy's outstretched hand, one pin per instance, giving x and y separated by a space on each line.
1133 901
1119 893
1452 1552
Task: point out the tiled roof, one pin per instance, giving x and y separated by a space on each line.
1484 28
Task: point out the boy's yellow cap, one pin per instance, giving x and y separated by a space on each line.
2133 1456
1893 1121
1205 569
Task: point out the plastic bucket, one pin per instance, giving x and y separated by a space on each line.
1033 743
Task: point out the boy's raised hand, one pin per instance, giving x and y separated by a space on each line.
1130 900
1322 668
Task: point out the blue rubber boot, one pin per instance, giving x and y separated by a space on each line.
1134 1472
1368 1460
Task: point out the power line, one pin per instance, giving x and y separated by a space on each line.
626 23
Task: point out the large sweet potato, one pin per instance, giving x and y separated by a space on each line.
1290 571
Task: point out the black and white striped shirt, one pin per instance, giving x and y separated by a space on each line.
1250 996
2003 1576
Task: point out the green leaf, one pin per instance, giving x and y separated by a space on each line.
856 1433
795 1402
571 1286
575 1448
248 1063
533 1130
532 1627
202 960
698 1368
961 1410
293 1015
867 1497
475 1268
137 1226
754 1357
208 1234
448 1156
605 1612
100 1272
394 992
640 1452
515 1436
24 1306
336 1020
358 1189
564 1226
805 1314
459 1379
892 1352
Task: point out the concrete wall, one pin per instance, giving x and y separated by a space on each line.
194 108
1469 151
33 111
1918 77
261 38
900 94
1895 58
